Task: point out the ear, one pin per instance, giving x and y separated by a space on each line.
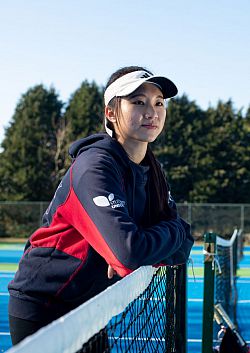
109 114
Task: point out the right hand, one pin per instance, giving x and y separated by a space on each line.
111 272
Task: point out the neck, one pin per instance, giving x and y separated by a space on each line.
136 152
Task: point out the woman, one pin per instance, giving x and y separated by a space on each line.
111 213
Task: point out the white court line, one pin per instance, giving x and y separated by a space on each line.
7 274
242 301
139 339
243 281
4 334
195 280
201 280
198 340
4 294
195 300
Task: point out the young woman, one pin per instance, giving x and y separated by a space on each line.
111 213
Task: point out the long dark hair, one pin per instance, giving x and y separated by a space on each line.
158 190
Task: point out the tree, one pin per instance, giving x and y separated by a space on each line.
180 146
83 115
223 166
206 153
27 170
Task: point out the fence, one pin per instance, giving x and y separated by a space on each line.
20 219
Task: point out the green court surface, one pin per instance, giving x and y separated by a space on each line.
198 272
11 246
195 272
8 267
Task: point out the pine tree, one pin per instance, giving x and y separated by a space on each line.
83 115
27 170
180 149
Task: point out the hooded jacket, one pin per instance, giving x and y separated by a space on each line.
94 220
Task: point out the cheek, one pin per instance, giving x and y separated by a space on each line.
163 119
128 119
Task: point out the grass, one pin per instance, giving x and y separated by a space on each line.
11 246
199 272
8 267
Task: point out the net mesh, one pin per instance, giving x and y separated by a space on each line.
228 256
137 314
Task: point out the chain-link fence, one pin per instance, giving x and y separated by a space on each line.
20 219
219 218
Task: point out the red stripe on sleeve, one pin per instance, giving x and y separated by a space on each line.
79 218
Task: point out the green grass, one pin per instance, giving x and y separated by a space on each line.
199 272
8 267
11 246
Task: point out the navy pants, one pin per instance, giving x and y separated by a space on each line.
20 328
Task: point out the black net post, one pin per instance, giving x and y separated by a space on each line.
181 309
208 292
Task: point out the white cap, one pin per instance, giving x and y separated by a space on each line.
128 83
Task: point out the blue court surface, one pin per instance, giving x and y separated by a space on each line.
11 254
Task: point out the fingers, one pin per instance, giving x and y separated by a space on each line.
111 272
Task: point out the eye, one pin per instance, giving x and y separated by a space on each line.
138 102
159 104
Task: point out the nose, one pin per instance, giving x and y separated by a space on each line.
150 112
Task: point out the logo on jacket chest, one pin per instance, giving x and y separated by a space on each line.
103 201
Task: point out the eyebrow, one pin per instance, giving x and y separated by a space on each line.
141 94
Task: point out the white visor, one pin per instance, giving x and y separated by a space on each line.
128 83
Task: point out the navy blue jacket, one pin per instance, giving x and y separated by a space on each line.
94 219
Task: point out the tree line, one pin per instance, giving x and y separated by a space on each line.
205 153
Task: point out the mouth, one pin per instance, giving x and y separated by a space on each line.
150 126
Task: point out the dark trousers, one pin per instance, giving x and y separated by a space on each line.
20 328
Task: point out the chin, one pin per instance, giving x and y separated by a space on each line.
148 139
152 139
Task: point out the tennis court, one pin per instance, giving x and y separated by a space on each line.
10 255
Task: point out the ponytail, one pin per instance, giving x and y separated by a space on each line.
158 208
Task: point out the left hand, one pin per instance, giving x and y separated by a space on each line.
111 272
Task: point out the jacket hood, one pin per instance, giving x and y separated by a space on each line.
100 141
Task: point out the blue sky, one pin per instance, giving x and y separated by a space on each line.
203 46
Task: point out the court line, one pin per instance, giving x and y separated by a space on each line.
198 340
242 301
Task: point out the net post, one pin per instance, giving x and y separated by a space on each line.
235 251
181 309
208 292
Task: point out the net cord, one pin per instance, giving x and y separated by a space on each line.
227 243
68 333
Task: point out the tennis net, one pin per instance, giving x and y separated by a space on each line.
136 314
225 275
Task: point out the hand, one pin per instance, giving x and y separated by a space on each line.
111 272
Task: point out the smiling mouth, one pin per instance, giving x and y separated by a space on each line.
149 126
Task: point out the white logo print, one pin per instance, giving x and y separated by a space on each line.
103 201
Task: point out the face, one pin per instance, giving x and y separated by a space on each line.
142 115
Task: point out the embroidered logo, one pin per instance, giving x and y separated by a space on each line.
103 201
146 75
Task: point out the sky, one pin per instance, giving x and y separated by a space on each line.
203 46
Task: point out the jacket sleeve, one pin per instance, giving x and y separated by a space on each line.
97 208
182 254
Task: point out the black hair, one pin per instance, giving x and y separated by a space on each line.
158 190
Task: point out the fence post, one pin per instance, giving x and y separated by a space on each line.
181 309
208 292
242 217
190 213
